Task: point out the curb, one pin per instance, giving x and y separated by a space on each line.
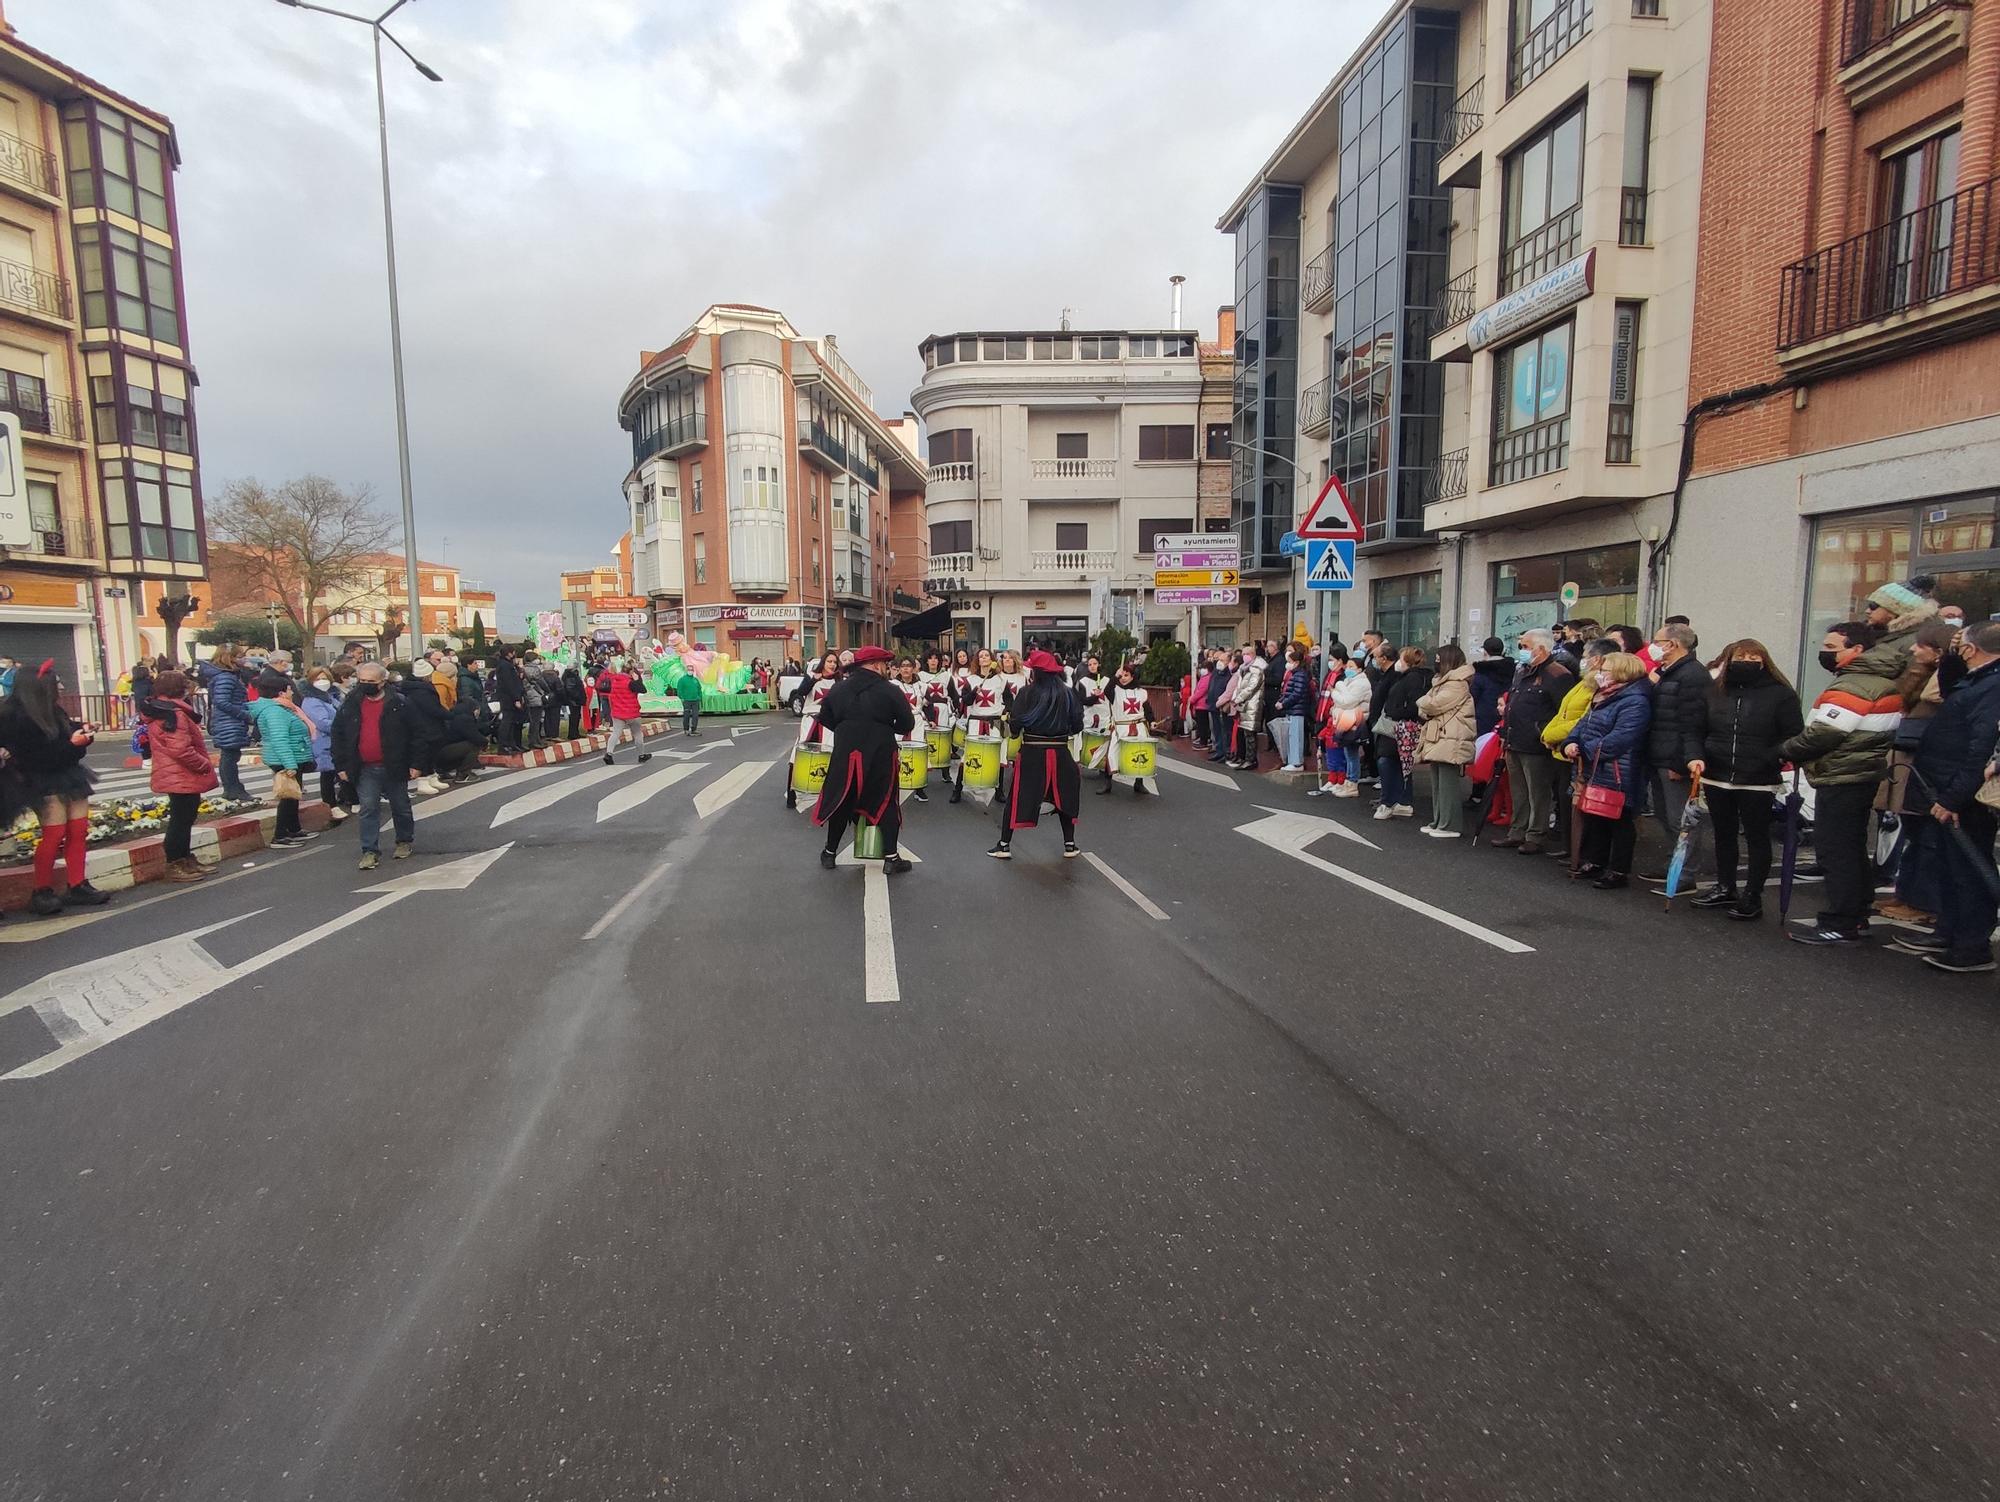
114 868
547 756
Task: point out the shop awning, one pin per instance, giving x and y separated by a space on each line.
925 624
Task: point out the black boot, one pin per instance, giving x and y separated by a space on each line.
1139 788
828 858
83 894
1716 897
1611 881
894 865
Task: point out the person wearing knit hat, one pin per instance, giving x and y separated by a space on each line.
1898 610
1046 712
868 716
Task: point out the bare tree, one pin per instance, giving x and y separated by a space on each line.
308 544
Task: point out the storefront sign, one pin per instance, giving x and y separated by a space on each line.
1543 298
1054 623
1195 597
669 618
704 614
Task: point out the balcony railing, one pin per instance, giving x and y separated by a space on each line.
1531 451
38 291
59 416
817 438
27 165
1949 246
71 537
675 435
1314 415
1445 479
1073 469
1632 216
951 565
955 471
1074 561
1316 281
1465 117
1454 302
1645 7
1542 47
1539 253
1870 23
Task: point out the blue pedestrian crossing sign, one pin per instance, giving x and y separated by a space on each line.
1329 564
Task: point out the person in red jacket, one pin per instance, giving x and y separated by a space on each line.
181 768
620 691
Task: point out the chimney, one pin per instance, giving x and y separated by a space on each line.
1225 325
1174 321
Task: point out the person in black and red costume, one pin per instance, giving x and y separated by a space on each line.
44 749
1045 713
867 715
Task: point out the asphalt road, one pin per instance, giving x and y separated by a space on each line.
584 1157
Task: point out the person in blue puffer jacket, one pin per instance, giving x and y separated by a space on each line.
321 701
228 717
1608 747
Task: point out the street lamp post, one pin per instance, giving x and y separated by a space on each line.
271 613
378 31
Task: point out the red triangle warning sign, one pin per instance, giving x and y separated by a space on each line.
1330 515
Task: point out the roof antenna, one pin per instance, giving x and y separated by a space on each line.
1065 318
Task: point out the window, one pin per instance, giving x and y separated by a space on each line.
1151 528
1144 344
1618 432
1017 347
1072 445
1406 609
1638 160
1165 443
944 352
1072 537
1531 406
1053 347
439 584
1544 188
816 573
951 537
694 495
993 349
1217 443
700 559
45 514
138 295
131 158
1097 346
670 501
952 446
28 397
151 511
968 348
1917 185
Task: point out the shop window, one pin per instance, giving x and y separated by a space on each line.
1406 609
1527 591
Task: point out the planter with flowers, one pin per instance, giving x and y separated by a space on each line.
115 820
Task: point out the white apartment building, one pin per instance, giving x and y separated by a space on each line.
1492 212
1056 457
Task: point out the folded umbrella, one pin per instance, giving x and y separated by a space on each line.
1788 859
1692 818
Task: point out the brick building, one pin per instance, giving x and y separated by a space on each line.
1847 322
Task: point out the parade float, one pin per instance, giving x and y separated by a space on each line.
725 682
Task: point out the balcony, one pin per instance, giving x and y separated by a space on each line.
1876 23
1466 116
1092 561
1455 301
955 473
1930 270
1632 216
1887 45
71 538
1541 251
1316 282
1545 45
40 292
27 166
1445 479
1072 469
45 416
831 454
677 435
1315 416
951 565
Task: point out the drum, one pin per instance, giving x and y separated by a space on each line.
1093 745
867 841
982 761
809 769
940 744
958 737
1013 748
1136 758
913 764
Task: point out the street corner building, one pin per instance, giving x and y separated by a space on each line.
101 510
773 512
1057 458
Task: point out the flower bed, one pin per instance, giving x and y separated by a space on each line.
114 820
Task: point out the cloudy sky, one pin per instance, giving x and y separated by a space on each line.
593 173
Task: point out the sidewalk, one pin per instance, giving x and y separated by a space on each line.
555 751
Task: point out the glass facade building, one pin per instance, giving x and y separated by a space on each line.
1392 240
1263 492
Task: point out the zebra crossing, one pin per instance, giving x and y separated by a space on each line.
136 782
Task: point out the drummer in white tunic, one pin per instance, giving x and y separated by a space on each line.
906 679
1127 704
811 732
984 705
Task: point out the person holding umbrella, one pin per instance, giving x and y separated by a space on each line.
868 715
1752 711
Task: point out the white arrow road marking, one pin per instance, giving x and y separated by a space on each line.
1299 830
1145 903
1199 774
880 936
847 857
1279 836
100 1001
554 793
738 731
492 782
727 788
635 793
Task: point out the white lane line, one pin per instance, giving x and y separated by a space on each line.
633 794
880 936
48 927
727 788
1145 903
632 896
1199 774
554 793
1264 833
492 782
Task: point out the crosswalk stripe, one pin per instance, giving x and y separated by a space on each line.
727 788
554 793
492 782
629 797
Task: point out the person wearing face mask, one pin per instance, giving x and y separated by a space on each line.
1396 745
1844 750
321 703
1752 711
1935 667
1492 672
1606 750
1344 722
371 747
1680 723
1555 735
1533 700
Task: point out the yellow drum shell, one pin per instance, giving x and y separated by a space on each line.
1093 742
1136 758
913 764
958 737
1013 748
940 742
982 761
809 769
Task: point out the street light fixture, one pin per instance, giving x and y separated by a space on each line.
379 31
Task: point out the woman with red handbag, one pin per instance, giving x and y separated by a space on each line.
1607 747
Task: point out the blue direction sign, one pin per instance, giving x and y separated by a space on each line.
1329 564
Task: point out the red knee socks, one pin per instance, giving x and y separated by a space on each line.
77 856
46 850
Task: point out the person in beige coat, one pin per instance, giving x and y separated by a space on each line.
1248 701
1445 744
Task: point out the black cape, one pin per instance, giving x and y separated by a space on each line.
868 715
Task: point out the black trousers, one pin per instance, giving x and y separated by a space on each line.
288 819
1843 815
575 721
891 826
454 757
1608 842
181 811
510 728
1969 907
1750 812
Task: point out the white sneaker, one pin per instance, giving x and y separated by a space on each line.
1347 790
429 785
1291 769
1384 811
1403 811
335 814
1441 834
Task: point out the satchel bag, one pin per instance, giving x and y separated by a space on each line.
1989 793
1604 803
285 784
